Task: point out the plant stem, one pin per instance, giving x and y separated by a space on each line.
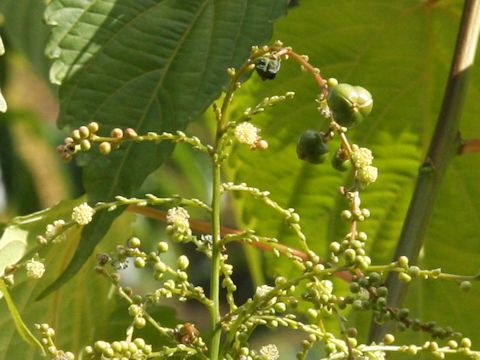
443 148
215 270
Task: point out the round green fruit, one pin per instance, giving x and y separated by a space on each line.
349 104
340 162
311 147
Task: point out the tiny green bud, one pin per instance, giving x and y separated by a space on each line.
162 247
466 343
117 133
134 310
331 82
160 267
452 344
465 285
105 148
312 313
183 262
403 262
350 254
76 134
130 133
93 127
84 131
139 322
346 214
85 145
134 242
404 277
280 307
139 262
139 342
388 339
335 247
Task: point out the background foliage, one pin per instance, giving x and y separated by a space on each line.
157 65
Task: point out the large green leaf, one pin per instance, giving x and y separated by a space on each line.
401 52
151 65
78 315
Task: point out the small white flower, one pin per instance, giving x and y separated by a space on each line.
83 214
367 175
54 229
327 286
247 133
361 157
263 290
270 352
35 269
178 217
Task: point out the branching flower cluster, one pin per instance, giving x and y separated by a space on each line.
273 305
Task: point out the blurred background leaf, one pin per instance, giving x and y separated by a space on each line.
401 52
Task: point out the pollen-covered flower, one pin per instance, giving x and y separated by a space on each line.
178 224
83 214
35 269
263 290
367 175
247 133
54 229
361 157
270 352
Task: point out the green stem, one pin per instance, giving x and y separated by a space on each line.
215 271
443 148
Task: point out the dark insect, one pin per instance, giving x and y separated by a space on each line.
267 68
186 333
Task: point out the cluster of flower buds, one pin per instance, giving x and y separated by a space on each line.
79 140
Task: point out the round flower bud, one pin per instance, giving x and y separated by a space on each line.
311 147
403 262
183 262
162 247
404 277
465 285
84 131
93 127
105 148
349 104
85 145
117 133
134 242
139 262
388 339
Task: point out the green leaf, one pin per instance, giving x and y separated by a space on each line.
376 45
76 312
20 325
3 103
150 65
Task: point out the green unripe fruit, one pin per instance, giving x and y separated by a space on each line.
311 147
349 104
267 68
340 162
